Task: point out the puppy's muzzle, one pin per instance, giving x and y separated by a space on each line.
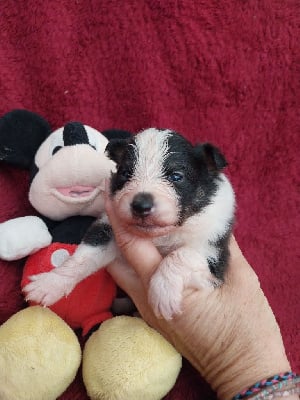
142 205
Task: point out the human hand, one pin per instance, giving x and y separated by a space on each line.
229 334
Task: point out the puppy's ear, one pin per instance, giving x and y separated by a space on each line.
116 134
115 149
211 156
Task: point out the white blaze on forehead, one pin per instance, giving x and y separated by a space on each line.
151 151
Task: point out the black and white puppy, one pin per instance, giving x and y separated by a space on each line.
166 189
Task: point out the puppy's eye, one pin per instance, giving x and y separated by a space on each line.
125 173
55 150
175 177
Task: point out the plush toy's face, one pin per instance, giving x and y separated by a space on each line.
69 173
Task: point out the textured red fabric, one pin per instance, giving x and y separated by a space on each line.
215 71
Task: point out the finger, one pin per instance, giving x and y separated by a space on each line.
234 248
123 274
239 271
143 257
236 255
127 279
106 189
139 252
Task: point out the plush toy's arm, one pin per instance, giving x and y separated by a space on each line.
22 236
97 249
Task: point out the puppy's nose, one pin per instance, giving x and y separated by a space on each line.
142 204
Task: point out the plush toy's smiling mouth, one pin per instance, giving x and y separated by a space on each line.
76 193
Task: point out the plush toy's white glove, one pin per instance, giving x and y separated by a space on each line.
20 237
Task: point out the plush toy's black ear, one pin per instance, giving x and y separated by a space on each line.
116 148
116 134
21 134
211 155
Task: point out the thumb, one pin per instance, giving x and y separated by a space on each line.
139 252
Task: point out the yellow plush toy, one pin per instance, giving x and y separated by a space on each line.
124 359
39 355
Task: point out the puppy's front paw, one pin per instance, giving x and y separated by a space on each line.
165 296
47 288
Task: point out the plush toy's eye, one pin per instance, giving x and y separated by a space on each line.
175 176
55 150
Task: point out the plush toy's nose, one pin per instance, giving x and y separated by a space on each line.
75 133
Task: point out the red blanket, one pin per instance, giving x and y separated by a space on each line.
215 71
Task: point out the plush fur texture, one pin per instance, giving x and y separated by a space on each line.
225 72
40 329
158 360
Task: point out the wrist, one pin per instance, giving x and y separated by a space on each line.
256 353
228 389
237 380
285 384
244 368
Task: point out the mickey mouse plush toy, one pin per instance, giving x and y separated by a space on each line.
67 177
68 169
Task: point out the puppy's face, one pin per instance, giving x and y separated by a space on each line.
162 180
